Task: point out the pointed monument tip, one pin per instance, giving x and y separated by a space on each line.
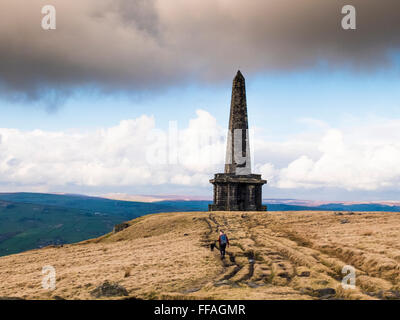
239 75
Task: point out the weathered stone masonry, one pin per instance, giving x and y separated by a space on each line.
238 189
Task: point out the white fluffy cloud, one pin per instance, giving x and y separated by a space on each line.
134 152
137 153
358 158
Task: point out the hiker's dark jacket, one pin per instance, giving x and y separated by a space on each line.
227 240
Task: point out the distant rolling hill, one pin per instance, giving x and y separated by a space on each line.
130 209
367 207
25 226
34 220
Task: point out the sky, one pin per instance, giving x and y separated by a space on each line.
133 96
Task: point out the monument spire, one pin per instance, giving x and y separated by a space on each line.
237 189
238 149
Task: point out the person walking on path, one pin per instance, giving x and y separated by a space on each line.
223 242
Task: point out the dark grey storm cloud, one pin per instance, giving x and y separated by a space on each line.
140 45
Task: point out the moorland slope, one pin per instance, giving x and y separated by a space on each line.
273 255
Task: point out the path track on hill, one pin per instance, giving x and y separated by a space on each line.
263 254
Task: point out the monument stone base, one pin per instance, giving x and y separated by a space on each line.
237 192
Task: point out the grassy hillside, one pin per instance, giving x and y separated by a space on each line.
280 255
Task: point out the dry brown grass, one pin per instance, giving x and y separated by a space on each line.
274 255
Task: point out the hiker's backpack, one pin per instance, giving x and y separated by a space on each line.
223 239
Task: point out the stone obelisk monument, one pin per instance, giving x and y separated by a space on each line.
238 189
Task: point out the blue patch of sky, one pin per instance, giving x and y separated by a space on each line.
276 102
